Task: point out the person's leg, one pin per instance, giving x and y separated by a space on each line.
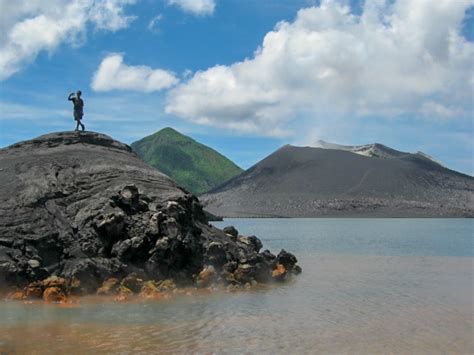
83 127
77 125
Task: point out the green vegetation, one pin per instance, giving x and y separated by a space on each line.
192 165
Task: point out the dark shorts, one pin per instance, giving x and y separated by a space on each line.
78 116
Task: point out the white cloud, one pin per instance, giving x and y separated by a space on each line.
29 27
196 7
397 58
109 14
152 25
113 74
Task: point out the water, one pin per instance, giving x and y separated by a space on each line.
368 286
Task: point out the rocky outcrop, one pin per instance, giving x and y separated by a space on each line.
83 208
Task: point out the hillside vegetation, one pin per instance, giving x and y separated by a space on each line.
191 164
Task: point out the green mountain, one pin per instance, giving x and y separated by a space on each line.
193 165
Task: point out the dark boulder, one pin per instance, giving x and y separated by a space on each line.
231 230
252 241
286 259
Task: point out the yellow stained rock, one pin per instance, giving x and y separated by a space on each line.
17 295
166 285
279 273
206 276
124 294
54 294
150 290
34 290
54 281
108 287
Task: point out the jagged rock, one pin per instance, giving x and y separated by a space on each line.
279 273
55 281
83 207
109 287
34 290
154 223
269 257
133 283
244 273
231 230
54 294
286 259
129 200
252 241
167 285
91 272
207 276
112 224
149 289
123 293
34 263
74 287
215 254
230 266
170 228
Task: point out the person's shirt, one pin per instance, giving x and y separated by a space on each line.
78 105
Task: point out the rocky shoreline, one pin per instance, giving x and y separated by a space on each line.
83 215
56 289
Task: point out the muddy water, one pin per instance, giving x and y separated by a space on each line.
368 286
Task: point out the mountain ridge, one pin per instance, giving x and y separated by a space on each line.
371 150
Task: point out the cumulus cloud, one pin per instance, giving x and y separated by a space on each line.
195 7
29 27
113 74
403 57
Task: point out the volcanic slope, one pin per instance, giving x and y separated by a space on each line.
311 182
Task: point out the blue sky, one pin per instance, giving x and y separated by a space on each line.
245 76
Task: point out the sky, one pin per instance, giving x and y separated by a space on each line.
245 76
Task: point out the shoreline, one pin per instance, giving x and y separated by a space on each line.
76 300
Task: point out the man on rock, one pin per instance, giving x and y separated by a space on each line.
78 108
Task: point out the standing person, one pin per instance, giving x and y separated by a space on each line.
78 108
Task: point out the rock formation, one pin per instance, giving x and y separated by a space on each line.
83 208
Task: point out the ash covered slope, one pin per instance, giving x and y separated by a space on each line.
83 205
308 182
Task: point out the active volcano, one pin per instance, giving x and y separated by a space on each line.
370 181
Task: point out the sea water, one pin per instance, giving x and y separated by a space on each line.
368 286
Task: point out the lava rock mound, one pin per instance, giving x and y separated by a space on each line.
83 207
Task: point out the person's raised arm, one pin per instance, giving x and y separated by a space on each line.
70 98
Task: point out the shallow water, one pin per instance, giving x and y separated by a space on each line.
368 286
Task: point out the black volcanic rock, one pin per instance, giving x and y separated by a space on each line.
311 182
83 206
